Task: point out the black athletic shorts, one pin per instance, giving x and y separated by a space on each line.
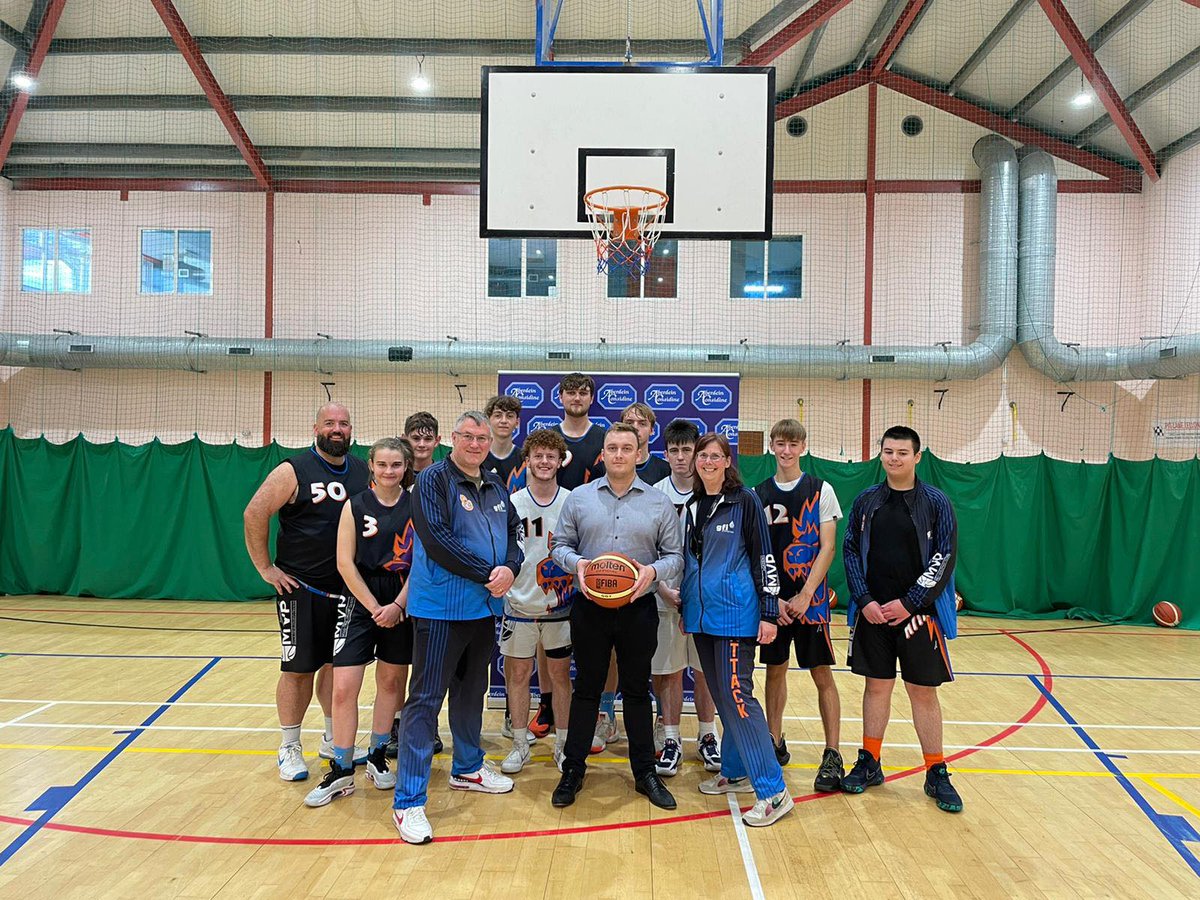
307 622
812 642
359 640
917 643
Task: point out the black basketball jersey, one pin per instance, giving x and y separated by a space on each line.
583 457
505 468
307 543
383 542
794 521
654 470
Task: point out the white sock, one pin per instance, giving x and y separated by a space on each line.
560 739
672 732
708 728
328 728
291 734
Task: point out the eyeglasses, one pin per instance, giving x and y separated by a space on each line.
711 457
473 438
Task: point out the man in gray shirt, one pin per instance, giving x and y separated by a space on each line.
616 513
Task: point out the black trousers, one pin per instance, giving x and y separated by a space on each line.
595 631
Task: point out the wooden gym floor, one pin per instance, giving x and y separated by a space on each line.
137 744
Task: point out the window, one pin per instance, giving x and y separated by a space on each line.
56 261
522 267
176 262
768 270
658 283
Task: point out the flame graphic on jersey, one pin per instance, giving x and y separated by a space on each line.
550 577
402 546
802 552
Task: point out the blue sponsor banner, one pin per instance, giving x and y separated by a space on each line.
708 401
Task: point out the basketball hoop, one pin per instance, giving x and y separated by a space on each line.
626 222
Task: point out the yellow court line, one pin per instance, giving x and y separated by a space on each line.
1169 794
1148 777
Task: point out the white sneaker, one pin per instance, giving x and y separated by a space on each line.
660 735
768 812
325 751
719 784
606 732
336 783
378 772
486 781
292 766
559 756
516 759
507 731
670 759
412 825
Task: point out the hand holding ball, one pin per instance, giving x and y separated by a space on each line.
609 580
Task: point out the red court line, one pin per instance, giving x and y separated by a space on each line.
1029 715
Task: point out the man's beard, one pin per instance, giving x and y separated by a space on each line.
332 446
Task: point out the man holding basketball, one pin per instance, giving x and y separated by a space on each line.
616 513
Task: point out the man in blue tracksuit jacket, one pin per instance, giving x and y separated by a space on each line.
465 558
900 550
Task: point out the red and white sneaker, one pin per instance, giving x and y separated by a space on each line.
770 811
486 781
413 826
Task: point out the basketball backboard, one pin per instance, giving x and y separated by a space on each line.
702 135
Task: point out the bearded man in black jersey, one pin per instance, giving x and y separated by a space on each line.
307 491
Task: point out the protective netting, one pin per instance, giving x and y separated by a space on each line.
877 243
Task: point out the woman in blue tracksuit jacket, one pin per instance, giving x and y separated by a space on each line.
730 602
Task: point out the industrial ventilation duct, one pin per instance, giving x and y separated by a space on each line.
998 315
1170 357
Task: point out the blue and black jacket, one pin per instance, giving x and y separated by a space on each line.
730 583
937 536
463 532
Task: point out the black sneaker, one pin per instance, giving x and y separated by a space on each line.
867 772
938 786
781 751
830 774
438 746
393 744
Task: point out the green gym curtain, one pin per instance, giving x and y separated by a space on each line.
1038 538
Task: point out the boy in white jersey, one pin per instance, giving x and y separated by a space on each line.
536 608
676 650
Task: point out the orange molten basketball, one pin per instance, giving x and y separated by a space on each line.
958 601
1167 614
609 579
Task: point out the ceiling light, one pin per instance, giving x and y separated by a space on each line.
24 82
420 82
1082 99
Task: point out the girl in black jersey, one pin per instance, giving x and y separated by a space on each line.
374 555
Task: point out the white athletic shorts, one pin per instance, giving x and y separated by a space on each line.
520 638
676 651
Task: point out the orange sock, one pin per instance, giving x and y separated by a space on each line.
932 759
873 746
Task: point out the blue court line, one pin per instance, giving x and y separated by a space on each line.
1176 829
52 800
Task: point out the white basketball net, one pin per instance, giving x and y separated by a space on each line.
626 222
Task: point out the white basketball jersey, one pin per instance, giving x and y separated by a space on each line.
542 588
680 500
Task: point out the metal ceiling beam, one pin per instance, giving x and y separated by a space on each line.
48 15
904 25
1085 58
366 46
995 36
770 20
994 121
208 83
12 37
794 32
821 89
879 27
1103 34
226 173
1187 142
1151 88
810 53
333 154
254 103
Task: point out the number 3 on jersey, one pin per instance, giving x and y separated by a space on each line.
334 490
370 526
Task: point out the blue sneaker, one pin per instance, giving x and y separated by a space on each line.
867 772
